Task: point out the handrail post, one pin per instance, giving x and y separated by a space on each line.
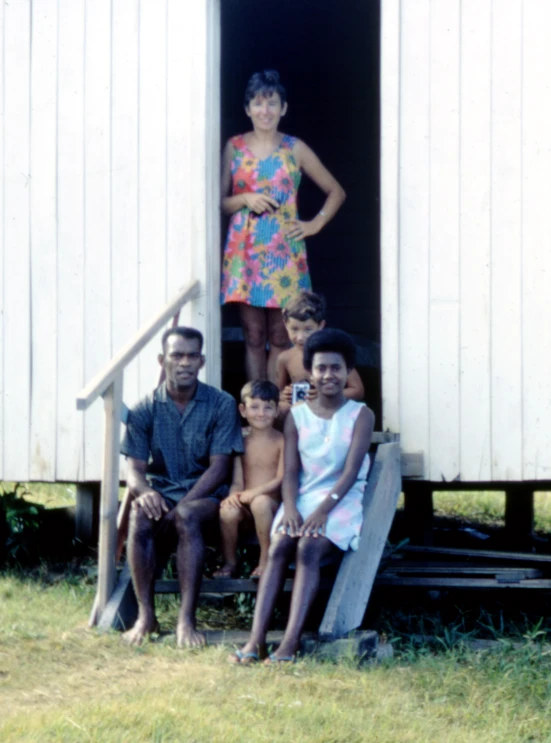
109 493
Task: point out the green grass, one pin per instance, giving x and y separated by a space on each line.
60 681
486 507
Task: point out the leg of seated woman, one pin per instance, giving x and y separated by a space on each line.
282 549
310 552
255 331
278 339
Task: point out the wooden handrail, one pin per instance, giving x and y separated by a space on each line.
105 378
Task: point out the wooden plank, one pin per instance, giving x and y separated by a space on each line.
506 251
413 464
43 276
452 582
97 214
517 573
475 189
124 184
70 242
350 594
220 585
152 279
414 226
16 289
536 239
213 317
444 241
478 554
109 494
122 608
105 378
180 255
390 239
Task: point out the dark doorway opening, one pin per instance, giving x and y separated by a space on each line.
327 53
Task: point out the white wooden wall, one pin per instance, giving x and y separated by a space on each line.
107 173
466 235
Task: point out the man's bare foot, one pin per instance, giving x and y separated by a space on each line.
143 627
188 637
226 571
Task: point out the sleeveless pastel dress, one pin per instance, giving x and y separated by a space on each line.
323 446
261 266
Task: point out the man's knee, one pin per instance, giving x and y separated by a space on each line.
139 522
190 517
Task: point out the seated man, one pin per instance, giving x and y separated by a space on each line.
179 445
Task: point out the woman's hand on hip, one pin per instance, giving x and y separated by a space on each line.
298 229
260 202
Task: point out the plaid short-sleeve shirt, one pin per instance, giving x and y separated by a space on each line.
177 446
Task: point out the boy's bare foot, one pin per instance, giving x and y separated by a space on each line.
143 627
188 637
257 572
226 571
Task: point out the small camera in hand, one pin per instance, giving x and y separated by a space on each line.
300 392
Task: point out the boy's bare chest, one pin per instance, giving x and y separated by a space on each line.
295 368
261 456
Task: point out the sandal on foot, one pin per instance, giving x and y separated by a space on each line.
226 571
243 659
274 660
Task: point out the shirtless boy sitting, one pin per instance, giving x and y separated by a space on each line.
257 475
302 316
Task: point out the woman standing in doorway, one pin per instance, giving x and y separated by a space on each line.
265 254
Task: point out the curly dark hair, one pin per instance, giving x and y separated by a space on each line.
332 341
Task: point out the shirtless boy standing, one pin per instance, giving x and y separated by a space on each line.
257 475
304 315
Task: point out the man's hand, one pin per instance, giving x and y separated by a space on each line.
232 501
153 504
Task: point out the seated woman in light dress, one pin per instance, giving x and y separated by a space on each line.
326 463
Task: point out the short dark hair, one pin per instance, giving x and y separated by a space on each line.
260 389
190 334
266 83
305 306
332 341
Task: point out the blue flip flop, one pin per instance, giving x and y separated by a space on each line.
243 659
274 660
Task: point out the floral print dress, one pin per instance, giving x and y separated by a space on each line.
261 266
323 446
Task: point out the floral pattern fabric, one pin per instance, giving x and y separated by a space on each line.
261 266
323 446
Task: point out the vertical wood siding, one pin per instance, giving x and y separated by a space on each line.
103 208
474 250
